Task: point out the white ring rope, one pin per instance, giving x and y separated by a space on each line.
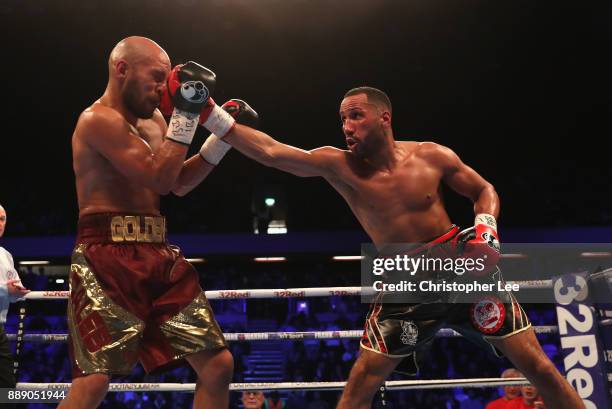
291 386
274 336
282 292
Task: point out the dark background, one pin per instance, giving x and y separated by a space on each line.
520 90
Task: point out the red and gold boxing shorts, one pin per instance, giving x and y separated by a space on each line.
134 298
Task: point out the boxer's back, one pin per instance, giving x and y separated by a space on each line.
101 187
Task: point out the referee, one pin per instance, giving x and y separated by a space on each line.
11 290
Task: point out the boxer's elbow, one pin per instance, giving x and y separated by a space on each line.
495 200
481 190
486 200
162 186
168 179
153 183
163 191
181 190
489 190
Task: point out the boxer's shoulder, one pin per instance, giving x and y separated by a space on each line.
429 148
99 118
435 153
100 123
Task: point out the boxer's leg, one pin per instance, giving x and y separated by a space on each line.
86 392
187 328
215 370
525 353
370 370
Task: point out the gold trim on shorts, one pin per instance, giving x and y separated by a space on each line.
372 319
105 336
413 354
386 354
518 325
193 329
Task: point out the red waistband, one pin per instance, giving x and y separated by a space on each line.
452 232
121 228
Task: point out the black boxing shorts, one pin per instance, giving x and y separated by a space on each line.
399 330
134 298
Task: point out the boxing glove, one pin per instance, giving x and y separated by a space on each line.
189 87
188 91
213 149
480 242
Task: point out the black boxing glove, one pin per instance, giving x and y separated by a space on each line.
241 112
188 88
188 92
214 149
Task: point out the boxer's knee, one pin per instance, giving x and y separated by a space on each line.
362 383
224 366
214 368
93 385
86 392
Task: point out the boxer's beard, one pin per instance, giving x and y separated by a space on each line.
132 101
373 143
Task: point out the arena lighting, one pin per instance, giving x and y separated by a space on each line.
269 259
59 280
513 255
34 263
269 209
596 254
196 260
277 227
347 258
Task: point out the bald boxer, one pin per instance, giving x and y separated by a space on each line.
393 188
510 392
133 297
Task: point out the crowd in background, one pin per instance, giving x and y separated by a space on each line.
304 360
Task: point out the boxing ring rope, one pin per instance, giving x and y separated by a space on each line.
283 292
276 336
264 336
292 386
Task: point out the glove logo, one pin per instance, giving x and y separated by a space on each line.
491 241
410 333
194 91
488 315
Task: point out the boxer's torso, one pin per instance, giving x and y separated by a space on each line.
400 205
101 188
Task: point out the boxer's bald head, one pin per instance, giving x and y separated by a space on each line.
137 72
137 50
